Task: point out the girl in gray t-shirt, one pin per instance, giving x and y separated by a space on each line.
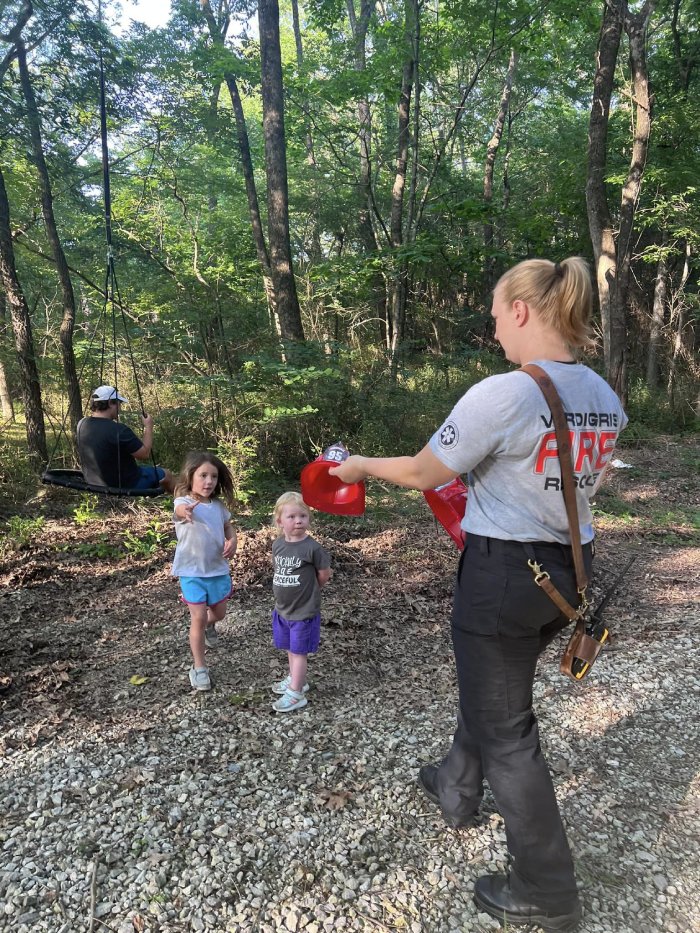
301 568
206 542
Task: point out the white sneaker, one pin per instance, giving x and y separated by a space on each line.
199 678
211 636
289 702
282 686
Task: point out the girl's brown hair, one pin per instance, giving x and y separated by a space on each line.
560 293
193 461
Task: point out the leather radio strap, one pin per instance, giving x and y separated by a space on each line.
569 492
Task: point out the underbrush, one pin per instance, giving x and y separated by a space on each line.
268 418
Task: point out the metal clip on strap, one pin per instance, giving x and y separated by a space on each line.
538 572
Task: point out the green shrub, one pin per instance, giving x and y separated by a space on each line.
652 412
86 510
102 548
153 539
20 533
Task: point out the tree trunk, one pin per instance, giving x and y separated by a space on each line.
6 404
400 278
657 317
315 251
246 162
24 343
506 165
635 25
599 220
359 33
366 227
399 186
685 60
286 298
680 327
491 153
68 320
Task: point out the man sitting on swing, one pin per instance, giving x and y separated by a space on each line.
109 450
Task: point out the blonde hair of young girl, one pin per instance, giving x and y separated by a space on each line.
288 498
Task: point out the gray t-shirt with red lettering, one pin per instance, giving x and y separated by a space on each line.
296 589
501 434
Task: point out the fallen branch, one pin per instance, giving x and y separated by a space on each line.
93 896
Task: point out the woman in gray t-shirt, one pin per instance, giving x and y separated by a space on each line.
500 433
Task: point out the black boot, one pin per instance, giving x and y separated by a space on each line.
493 895
427 781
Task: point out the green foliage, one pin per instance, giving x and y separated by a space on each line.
155 538
21 532
101 548
204 342
654 413
86 510
239 455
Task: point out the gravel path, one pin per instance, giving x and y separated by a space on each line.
221 816
150 809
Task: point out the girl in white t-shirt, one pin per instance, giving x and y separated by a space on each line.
206 542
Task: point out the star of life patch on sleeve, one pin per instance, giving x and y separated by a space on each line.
449 435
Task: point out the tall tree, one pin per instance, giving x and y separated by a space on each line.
6 404
24 341
218 33
359 26
635 25
613 259
599 219
287 301
59 256
491 153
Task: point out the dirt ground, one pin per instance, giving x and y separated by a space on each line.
94 660
93 636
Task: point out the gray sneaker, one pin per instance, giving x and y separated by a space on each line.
211 637
199 678
290 702
282 686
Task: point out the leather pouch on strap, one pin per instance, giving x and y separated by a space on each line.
582 649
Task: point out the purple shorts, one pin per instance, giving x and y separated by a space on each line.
301 637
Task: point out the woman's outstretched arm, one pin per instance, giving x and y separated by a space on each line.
423 471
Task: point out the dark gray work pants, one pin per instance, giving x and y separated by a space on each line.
501 622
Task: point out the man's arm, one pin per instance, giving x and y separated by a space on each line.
144 452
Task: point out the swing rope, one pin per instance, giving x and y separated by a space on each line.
112 296
112 292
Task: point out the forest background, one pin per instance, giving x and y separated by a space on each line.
311 204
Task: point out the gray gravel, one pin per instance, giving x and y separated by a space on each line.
221 816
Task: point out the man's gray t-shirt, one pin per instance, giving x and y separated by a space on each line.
296 589
501 434
200 544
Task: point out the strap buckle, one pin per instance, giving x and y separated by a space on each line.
583 604
538 572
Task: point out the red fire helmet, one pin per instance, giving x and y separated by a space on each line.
327 493
448 504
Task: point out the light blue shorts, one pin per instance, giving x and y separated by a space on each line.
209 590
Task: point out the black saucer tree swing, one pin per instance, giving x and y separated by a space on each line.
74 479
